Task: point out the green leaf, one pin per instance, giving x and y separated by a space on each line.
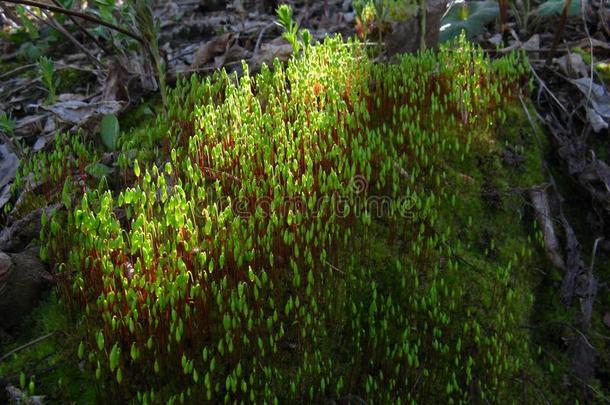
81 350
556 7
66 198
100 340
284 15
109 131
115 354
136 168
32 52
469 16
98 170
26 22
6 124
22 380
134 352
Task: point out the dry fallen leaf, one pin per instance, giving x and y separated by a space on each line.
8 167
278 48
115 82
235 53
31 125
78 112
598 108
210 50
572 65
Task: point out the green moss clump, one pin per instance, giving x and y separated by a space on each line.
45 345
61 174
308 233
69 78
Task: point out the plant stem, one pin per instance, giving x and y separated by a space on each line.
423 12
83 29
559 32
84 16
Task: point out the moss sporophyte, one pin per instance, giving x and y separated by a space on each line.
250 260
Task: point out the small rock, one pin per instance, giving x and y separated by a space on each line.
23 281
19 397
405 36
20 233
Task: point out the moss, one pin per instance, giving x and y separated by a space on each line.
50 362
494 228
316 294
70 79
142 115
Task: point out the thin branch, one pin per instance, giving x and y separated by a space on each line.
84 16
25 346
559 32
423 15
51 22
545 87
84 30
17 70
333 267
260 37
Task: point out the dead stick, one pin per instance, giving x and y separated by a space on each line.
542 210
83 29
25 346
51 22
560 28
423 15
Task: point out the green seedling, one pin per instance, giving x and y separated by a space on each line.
7 125
297 38
47 76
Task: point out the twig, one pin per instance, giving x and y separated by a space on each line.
503 5
584 21
423 14
17 70
84 16
50 21
25 346
222 173
15 148
207 68
559 32
594 253
84 30
531 121
545 87
543 215
260 37
335 268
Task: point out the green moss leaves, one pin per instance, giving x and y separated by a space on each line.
244 267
